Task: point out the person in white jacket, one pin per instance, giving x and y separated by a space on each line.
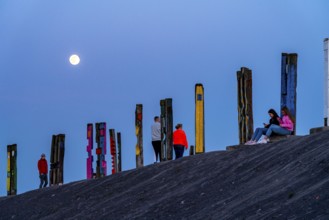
156 138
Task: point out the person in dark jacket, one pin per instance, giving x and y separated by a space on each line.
180 141
43 171
274 120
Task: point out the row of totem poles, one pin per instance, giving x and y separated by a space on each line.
166 121
245 122
115 150
58 145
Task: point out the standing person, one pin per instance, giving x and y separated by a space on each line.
180 141
286 126
43 171
156 138
274 120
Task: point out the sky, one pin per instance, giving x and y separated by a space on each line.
139 52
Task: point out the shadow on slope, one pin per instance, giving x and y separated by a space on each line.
287 179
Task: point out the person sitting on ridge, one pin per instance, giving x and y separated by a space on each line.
286 126
274 120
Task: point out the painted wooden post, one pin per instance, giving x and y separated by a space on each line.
57 159
163 155
326 82
166 120
192 150
12 169
199 119
245 113
119 152
113 149
139 134
101 165
289 83
90 138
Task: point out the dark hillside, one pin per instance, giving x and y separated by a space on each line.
288 179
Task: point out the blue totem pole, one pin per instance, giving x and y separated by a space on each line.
289 82
326 81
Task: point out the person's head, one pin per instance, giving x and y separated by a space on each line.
43 156
285 111
156 119
179 126
273 113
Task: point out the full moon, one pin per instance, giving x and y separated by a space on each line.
74 59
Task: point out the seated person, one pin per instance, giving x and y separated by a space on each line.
274 120
286 126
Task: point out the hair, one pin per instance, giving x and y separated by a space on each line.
178 126
286 110
155 118
275 115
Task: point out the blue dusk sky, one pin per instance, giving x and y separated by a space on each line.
140 52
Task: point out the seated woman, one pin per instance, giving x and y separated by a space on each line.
274 120
286 126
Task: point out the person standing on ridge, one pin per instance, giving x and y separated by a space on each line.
156 138
180 141
43 171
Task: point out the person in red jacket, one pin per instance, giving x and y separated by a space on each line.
43 171
180 141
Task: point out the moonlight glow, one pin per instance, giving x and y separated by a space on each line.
74 59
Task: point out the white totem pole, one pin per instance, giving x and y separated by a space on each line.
326 82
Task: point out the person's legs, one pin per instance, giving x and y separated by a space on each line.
45 179
41 180
256 133
176 151
278 130
155 147
158 150
179 151
260 133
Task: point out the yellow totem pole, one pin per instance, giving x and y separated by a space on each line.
199 119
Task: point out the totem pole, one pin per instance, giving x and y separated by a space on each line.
139 135
199 119
12 169
166 120
119 152
101 167
326 82
57 159
289 83
113 150
192 150
90 159
245 115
